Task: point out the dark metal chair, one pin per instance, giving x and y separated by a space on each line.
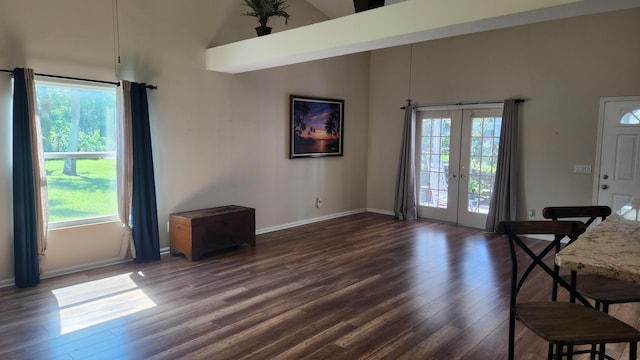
602 290
561 324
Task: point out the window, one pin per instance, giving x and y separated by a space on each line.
79 137
485 141
631 118
434 165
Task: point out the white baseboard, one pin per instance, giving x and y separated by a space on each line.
382 212
308 221
70 270
83 267
79 268
90 266
7 283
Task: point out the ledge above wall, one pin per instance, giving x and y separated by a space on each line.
392 25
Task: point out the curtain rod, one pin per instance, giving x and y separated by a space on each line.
467 103
148 86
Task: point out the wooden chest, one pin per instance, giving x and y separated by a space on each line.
195 233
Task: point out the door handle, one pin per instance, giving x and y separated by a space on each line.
605 176
604 187
454 175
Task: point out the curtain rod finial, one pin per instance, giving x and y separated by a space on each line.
408 104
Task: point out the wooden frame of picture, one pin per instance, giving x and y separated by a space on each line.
316 127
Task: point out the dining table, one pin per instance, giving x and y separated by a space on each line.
610 248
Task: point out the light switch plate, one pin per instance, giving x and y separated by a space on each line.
582 169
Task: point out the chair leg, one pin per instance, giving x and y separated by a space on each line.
512 334
601 352
559 350
633 350
604 307
594 351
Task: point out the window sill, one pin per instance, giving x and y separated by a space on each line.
57 225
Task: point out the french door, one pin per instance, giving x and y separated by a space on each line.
456 152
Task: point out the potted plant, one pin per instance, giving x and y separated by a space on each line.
263 10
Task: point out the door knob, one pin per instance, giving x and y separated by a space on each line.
605 176
604 187
454 175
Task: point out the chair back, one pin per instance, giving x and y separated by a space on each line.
591 213
517 230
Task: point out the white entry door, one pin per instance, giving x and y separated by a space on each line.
456 153
618 170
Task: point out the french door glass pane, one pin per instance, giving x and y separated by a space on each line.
485 138
434 162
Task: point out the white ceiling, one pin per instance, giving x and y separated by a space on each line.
337 8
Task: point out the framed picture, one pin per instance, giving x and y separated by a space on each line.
316 127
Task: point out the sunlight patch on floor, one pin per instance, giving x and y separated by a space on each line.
96 302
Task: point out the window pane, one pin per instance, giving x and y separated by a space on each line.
78 129
89 194
435 143
485 139
631 118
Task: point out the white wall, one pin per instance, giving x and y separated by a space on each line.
562 68
217 139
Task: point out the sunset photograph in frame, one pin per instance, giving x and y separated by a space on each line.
316 127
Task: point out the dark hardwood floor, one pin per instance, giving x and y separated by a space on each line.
360 287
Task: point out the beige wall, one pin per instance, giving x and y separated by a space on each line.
217 139
562 69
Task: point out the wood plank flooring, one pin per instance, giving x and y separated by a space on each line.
360 287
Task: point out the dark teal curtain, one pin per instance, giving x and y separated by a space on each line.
25 233
144 211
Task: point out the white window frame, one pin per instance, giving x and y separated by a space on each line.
53 225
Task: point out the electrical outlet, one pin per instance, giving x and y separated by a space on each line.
532 213
318 202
